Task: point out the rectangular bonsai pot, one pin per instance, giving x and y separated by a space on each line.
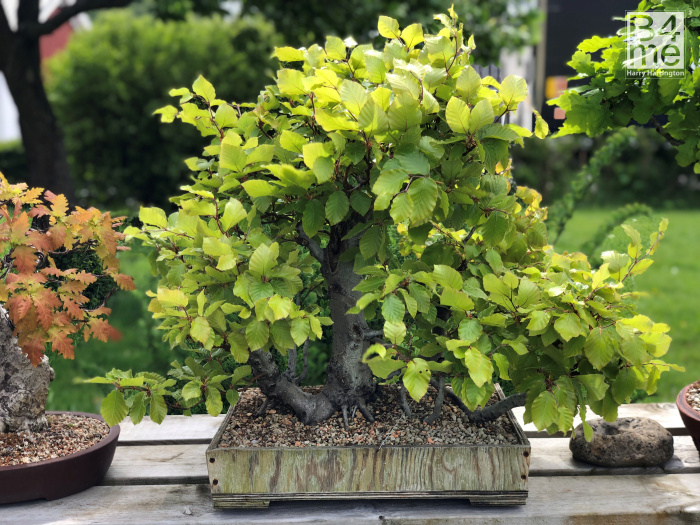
483 474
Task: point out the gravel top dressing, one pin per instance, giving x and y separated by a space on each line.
692 396
64 435
278 427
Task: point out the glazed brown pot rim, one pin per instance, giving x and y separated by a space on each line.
686 407
111 436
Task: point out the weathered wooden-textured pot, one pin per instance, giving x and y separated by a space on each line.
59 477
690 416
483 474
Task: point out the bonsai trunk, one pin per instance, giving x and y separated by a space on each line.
349 382
23 387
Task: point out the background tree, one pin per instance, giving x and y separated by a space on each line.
496 25
20 63
108 82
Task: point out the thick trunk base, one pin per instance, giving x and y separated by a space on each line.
23 387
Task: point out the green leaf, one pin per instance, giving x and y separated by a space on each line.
393 309
412 35
401 207
495 228
203 88
264 258
457 115
382 368
538 321
513 91
544 410
293 142
456 299
213 402
595 385
470 330
335 48
313 218
389 181
353 96
372 119
568 326
281 306
192 390
138 408
288 54
423 192
388 27
259 188
153 217
624 385
200 330
395 332
371 242
416 378
468 83
481 115
360 202
234 212
290 82
480 366
337 207
541 126
635 351
158 408
113 408
447 276
598 349
225 116
257 334
300 330
232 157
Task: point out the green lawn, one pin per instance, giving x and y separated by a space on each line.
672 283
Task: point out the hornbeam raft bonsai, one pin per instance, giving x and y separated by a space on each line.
380 180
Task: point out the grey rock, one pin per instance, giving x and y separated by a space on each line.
626 442
23 387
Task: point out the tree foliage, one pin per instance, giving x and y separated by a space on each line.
354 146
43 285
607 99
495 24
106 85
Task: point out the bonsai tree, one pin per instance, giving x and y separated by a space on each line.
379 180
51 262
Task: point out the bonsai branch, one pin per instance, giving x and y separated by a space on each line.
665 134
66 13
496 410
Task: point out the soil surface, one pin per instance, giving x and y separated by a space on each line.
279 427
64 435
692 396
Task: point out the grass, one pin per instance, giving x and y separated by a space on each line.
672 284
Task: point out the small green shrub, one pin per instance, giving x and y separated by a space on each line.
106 85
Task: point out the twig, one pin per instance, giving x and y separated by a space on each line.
439 399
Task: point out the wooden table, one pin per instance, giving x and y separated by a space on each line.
159 476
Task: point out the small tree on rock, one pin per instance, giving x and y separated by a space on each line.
380 179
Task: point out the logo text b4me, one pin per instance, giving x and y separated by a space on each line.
656 41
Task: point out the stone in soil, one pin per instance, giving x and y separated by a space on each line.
626 442
64 435
279 427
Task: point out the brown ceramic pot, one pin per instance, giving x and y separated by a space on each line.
59 477
690 416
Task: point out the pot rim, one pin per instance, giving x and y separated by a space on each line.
111 436
684 406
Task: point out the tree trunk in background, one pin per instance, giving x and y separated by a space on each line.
42 139
23 387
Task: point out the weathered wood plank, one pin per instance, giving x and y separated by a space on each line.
662 499
202 428
664 413
175 464
174 430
